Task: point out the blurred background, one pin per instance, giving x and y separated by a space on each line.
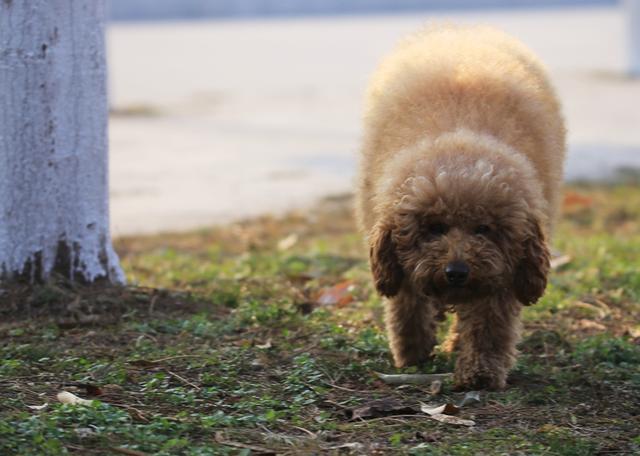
227 109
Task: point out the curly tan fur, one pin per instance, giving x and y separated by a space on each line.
461 165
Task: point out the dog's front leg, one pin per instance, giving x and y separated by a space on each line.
487 333
411 327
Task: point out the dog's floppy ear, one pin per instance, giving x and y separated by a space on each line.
386 269
531 272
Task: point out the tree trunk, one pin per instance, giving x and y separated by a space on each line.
54 205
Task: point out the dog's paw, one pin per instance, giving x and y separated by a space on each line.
415 358
474 375
480 382
412 351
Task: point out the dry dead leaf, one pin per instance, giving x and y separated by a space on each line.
428 436
599 308
89 388
69 398
287 242
339 295
220 438
444 413
589 325
38 407
454 420
560 261
381 407
573 200
111 388
268 344
472 397
436 387
445 409
634 331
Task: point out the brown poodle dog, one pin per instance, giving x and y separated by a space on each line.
459 184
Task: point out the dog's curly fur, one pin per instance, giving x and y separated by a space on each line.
461 164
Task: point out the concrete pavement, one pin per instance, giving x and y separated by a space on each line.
219 120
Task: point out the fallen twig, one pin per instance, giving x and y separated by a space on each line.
411 379
222 441
400 418
349 390
184 380
560 261
312 434
128 451
168 358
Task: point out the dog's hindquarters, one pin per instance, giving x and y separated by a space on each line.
449 78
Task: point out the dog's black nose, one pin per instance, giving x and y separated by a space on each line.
457 273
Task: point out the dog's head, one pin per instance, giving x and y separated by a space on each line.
459 230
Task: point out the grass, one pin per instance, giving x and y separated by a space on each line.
262 337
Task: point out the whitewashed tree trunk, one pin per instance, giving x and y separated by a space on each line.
53 141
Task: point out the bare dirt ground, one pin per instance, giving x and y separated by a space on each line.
265 337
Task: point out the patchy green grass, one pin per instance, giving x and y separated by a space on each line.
262 337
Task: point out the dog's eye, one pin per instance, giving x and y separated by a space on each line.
482 230
437 229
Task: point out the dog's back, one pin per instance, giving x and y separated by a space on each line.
452 78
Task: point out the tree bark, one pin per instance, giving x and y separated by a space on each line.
53 141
